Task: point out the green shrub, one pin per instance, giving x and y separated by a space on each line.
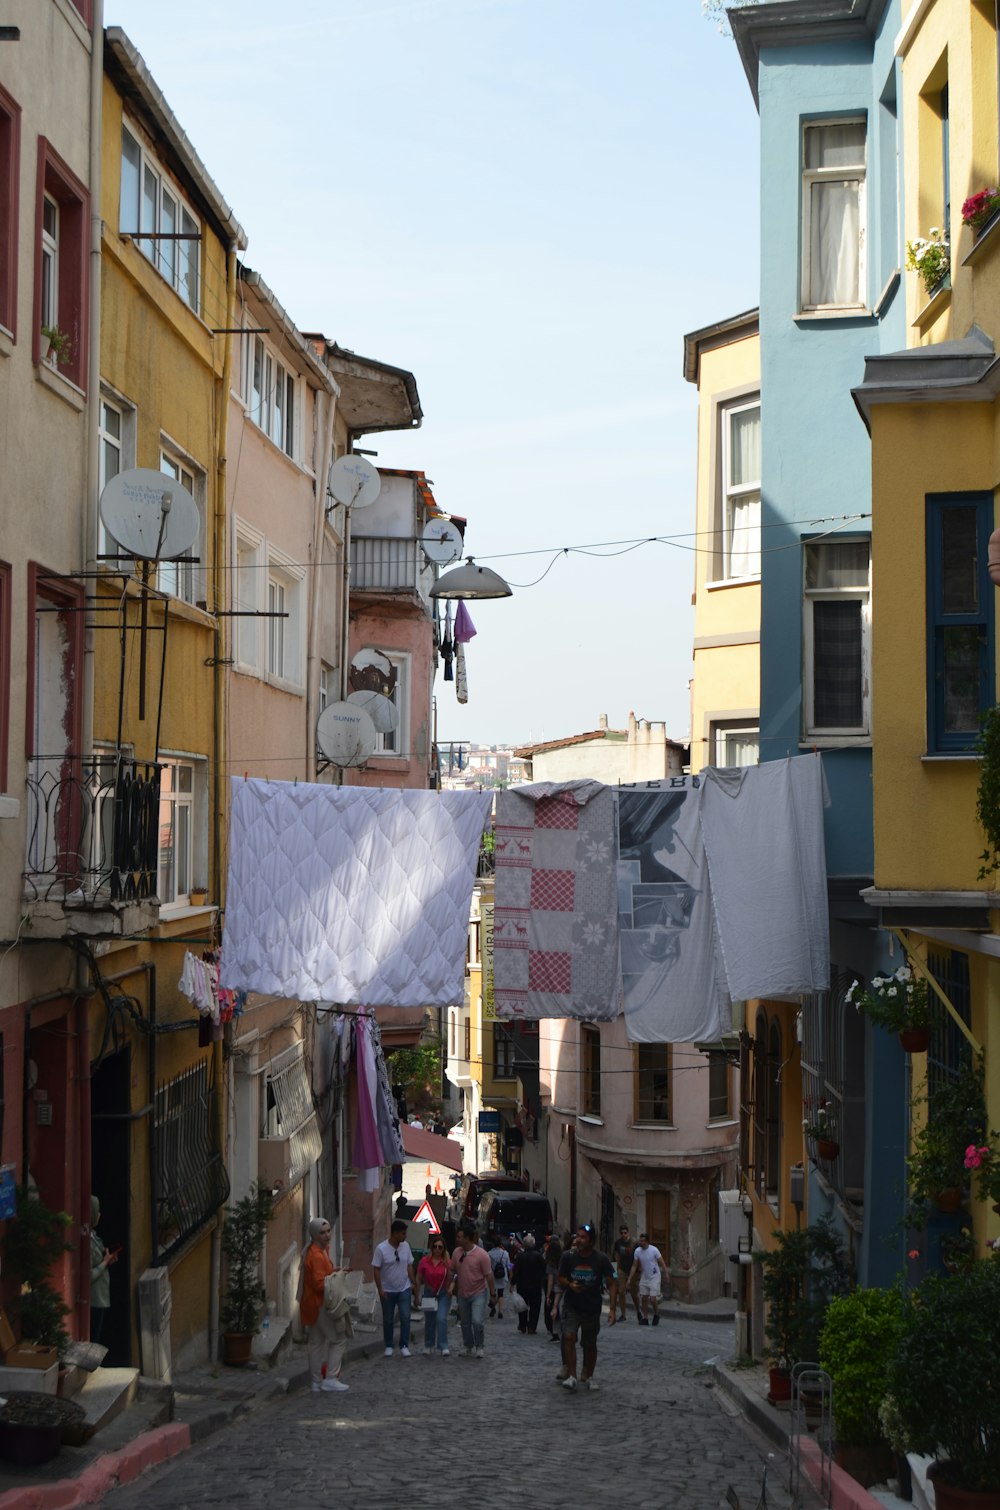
33 1242
859 1336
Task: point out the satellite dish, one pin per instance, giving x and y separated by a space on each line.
354 481
381 710
345 734
150 514
442 541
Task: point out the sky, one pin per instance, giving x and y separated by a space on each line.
527 204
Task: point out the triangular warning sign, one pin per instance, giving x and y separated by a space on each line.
425 1214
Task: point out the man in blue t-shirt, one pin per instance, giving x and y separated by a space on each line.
582 1275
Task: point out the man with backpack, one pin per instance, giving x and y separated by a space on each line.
500 1259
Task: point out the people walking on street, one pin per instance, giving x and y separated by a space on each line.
326 1338
434 1296
553 1293
392 1271
623 1254
472 1283
647 1268
500 1259
528 1279
582 1275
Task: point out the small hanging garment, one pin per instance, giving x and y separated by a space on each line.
447 646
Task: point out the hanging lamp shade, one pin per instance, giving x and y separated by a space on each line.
471 581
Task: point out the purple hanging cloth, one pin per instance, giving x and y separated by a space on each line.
464 627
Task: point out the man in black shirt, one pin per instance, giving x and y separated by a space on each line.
623 1254
582 1274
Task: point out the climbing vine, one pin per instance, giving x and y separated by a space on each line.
988 796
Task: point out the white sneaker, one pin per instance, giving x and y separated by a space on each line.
428 1352
569 1383
404 1352
591 1384
316 1388
480 1352
387 1353
445 1353
333 1384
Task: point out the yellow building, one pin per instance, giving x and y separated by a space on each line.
723 361
932 413
168 274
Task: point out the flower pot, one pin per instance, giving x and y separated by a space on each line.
915 1040
198 896
866 1465
949 1200
779 1384
28 1443
947 1497
237 1348
827 1148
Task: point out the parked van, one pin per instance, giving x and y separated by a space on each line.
515 1213
475 1186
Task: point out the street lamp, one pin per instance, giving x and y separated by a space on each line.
471 581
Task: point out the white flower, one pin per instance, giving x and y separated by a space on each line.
904 973
593 933
892 991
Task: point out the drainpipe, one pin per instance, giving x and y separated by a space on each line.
218 577
312 653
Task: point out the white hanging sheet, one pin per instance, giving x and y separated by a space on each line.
358 895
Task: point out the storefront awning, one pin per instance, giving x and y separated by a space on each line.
431 1147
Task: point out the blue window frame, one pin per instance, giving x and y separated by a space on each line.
960 675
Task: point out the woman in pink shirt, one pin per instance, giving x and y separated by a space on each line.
473 1282
434 1280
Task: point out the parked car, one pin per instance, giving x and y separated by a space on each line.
515 1213
474 1186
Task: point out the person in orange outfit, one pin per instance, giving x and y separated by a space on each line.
326 1343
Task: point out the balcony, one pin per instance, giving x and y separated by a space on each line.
390 564
92 846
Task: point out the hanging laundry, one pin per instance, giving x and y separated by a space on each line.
367 1154
461 677
673 988
447 646
767 821
359 895
554 933
464 627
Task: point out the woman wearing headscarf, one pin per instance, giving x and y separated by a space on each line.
326 1342
100 1279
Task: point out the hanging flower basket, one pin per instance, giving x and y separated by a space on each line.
827 1148
915 1040
895 1002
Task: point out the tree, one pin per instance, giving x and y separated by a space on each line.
715 10
418 1071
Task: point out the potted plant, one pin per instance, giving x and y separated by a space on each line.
930 257
799 1276
33 1242
242 1245
818 1124
900 1003
895 1434
59 346
858 1337
980 208
198 895
942 1377
956 1118
988 793
34 1426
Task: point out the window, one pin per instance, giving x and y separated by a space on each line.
61 261
741 491
959 619
392 681
735 744
270 389
176 839
246 627
191 1179
327 691
590 1054
468 1039
116 427
837 635
949 1052
284 624
833 215
10 156
288 1113
5 588
276 627
719 1106
180 578
268 634
652 1082
166 230
504 1057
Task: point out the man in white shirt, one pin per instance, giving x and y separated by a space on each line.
392 1271
649 1266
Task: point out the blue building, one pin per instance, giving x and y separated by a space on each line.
824 77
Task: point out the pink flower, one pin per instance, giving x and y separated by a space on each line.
913 1253
974 1156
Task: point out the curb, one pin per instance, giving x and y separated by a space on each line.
105 1473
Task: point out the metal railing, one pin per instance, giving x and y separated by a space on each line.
190 1178
93 830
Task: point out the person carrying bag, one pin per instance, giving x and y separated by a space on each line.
434 1288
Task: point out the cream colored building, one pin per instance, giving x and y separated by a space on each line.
640 752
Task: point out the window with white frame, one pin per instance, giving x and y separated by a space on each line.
284 621
327 691
741 490
833 214
395 741
181 578
116 429
735 744
50 262
246 625
269 598
176 836
270 391
152 209
837 638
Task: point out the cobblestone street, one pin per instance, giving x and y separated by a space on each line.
442 1432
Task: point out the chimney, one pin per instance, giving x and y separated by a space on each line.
602 722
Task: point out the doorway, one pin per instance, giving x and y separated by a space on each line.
110 1181
658 1221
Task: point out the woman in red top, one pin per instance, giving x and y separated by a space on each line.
433 1279
326 1344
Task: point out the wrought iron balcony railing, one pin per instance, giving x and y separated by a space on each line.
93 830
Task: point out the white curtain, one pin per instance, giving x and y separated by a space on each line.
835 245
744 507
